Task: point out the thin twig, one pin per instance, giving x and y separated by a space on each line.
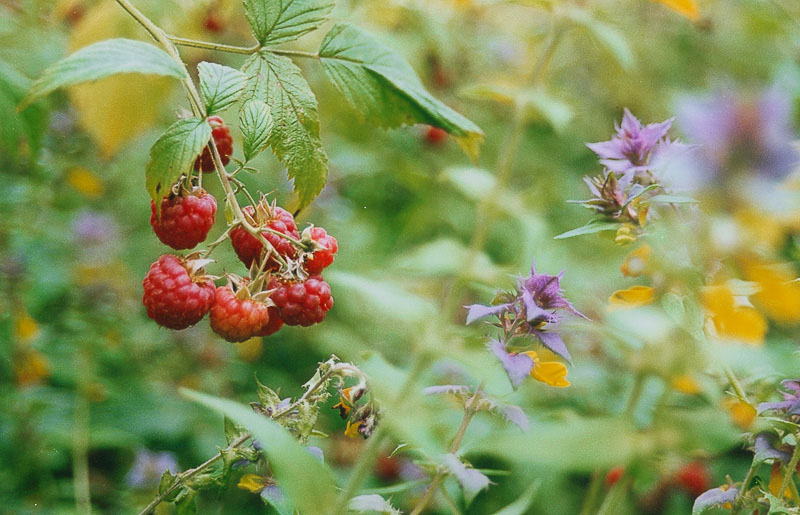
194 43
790 469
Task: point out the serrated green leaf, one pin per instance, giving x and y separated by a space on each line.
277 81
278 21
384 88
173 154
590 228
220 85
103 59
305 480
256 123
523 503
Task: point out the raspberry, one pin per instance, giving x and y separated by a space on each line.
323 257
614 475
274 324
303 302
694 477
223 141
173 295
236 317
435 136
185 220
247 246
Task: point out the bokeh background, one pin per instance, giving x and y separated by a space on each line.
89 384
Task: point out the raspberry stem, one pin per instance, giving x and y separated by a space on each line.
194 43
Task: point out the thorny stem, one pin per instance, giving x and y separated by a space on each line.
337 369
790 469
469 412
188 474
216 243
745 482
735 384
193 43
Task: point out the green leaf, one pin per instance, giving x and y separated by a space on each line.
523 503
100 60
173 154
384 88
612 39
556 112
255 121
304 479
592 227
471 480
277 81
220 85
278 21
372 503
19 131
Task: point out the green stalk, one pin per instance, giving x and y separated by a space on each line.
790 469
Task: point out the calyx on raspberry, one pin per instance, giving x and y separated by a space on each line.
224 142
265 215
177 294
185 219
237 315
324 247
302 302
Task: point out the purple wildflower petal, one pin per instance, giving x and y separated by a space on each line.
517 366
316 452
765 450
606 149
477 311
515 415
714 497
553 341
533 313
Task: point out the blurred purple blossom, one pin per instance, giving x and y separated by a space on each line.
635 147
517 366
148 467
93 228
790 404
737 133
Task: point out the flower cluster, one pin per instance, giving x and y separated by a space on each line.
534 309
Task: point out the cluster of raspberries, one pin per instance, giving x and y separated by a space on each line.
178 294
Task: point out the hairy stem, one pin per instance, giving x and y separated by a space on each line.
790 469
469 412
735 384
194 43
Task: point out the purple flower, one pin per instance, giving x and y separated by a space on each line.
517 366
741 134
534 309
93 228
790 404
148 467
633 148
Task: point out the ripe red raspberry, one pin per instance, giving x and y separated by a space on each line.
694 477
614 475
247 246
185 219
237 317
435 136
323 257
223 141
274 324
303 302
173 295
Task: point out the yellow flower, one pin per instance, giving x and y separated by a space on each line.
85 182
345 403
686 8
686 384
779 291
553 373
633 297
25 328
31 367
352 429
253 483
636 262
742 413
775 480
734 322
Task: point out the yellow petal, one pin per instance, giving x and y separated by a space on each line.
717 299
85 182
252 483
636 262
742 413
779 293
686 384
31 367
25 328
633 297
733 322
553 373
775 480
687 8
352 429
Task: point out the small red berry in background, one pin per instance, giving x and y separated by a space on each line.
435 136
693 477
614 475
236 316
175 295
224 142
322 257
303 303
387 468
213 23
185 218
247 246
